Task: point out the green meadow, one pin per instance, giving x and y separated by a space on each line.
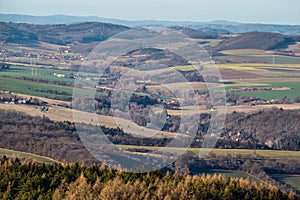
291 93
39 89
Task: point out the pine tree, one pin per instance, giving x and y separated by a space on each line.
59 192
7 193
79 190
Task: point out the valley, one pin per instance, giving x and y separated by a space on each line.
53 85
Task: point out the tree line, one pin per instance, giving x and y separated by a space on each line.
30 180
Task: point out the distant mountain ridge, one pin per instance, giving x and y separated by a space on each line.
86 34
58 34
233 27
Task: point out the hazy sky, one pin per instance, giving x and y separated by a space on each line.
259 11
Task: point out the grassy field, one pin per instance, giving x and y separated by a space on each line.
37 47
23 61
253 66
291 180
254 109
232 174
39 89
246 52
42 73
269 70
274 94
181 86
18 154
186 68
191 110
263 69
223 152
36 89
254 70
34 73
276 75
262 58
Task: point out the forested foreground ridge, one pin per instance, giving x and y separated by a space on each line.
30 180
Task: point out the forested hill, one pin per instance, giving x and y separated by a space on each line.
58 34
89 32
233 27
258 40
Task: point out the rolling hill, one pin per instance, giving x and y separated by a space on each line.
58 34
233 27
258 40
204 33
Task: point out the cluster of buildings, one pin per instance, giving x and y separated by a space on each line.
63 53
65 57
15 101
11 98
72 76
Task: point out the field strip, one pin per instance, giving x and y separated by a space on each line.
251 109
222 152
230 109
189 110
138 72
26 65
179 85
19 154
262 80
246 52
252 65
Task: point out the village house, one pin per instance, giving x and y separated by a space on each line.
59 75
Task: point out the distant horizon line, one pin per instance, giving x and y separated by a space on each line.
221 21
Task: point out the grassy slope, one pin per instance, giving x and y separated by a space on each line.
57 113
266 69
38 89
268 95
40 73
263 58
220 152
15 154
292 180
